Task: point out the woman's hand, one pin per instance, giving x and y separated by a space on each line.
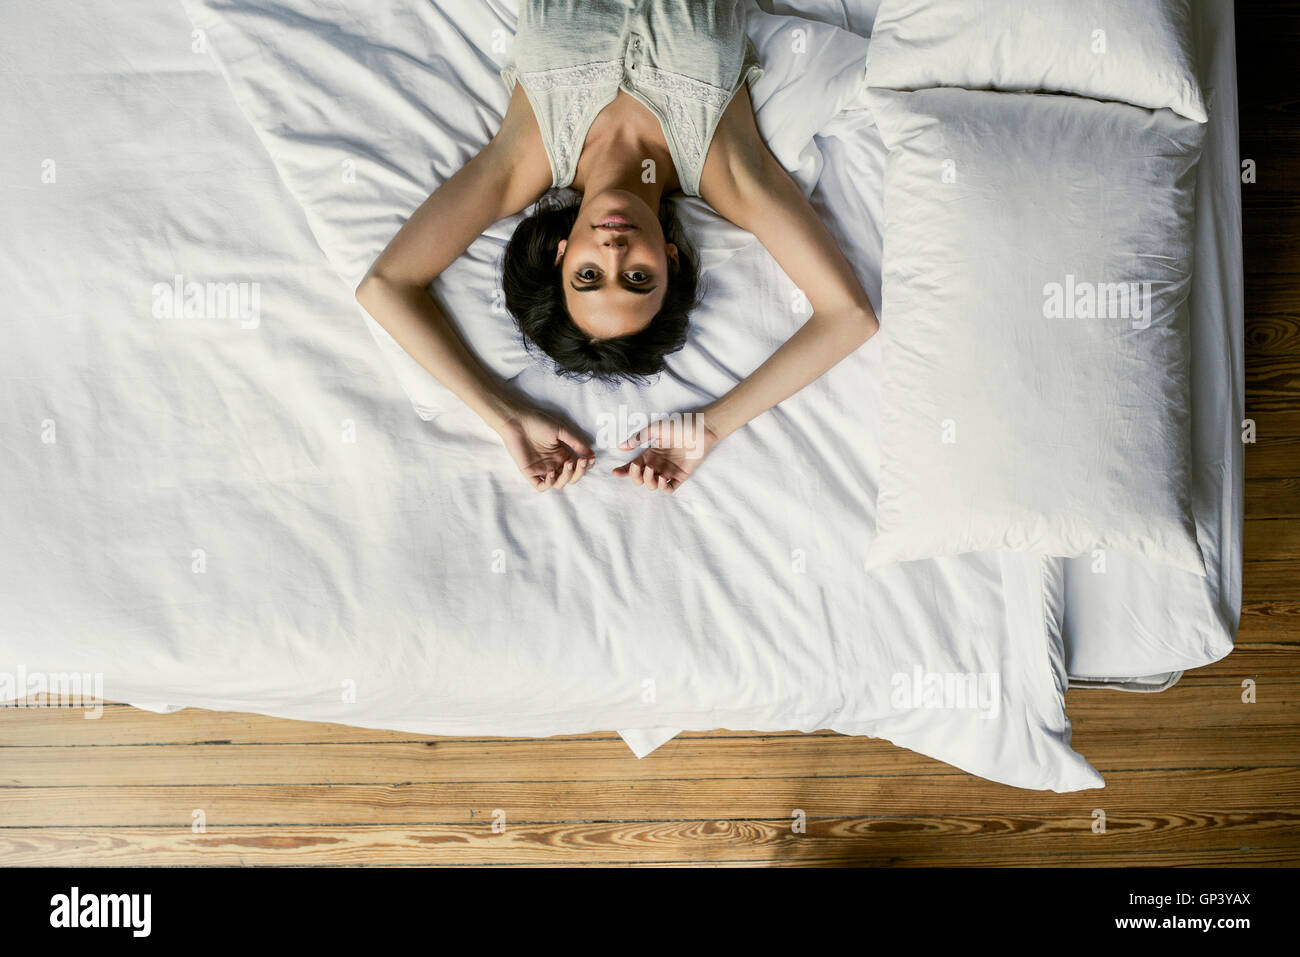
548 453
678 444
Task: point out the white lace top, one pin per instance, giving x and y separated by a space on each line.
683 59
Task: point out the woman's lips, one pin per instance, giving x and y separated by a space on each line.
613 219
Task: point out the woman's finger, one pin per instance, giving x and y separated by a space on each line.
564 475
579 471
634 471
641 437
571 439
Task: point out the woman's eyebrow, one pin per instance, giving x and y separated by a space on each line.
632 289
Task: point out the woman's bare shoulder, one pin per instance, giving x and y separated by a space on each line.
737 162
504 177
518 147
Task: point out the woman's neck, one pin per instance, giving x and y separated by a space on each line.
618 158
614 174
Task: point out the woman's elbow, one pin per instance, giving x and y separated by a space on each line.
369 290
870 323
863 324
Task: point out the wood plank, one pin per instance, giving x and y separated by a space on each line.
1110 749
1269 622
1263 580
1269 242
1278 661
697 841
1272 425
1273 318
1273 498
446 760
1213 703
456 802
1272 539
1130 747
1272 383
1272 456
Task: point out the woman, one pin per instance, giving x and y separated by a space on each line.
625 101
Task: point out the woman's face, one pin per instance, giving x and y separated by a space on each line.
614 265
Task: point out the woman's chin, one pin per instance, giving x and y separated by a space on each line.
618 202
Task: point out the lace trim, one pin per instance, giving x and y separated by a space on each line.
674 84
602 71
687 135
578 85
574 112
677 89
582 83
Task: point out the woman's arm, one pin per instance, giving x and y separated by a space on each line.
745 183
496 183
508 174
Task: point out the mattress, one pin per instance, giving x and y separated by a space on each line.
238 512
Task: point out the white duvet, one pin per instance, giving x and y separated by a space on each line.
240 512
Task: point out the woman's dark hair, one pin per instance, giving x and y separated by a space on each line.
534 291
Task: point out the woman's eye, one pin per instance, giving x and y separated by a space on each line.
587 275
637 277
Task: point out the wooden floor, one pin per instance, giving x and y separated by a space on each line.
1194 776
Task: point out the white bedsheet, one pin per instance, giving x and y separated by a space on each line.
246 516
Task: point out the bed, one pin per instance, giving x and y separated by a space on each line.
237 508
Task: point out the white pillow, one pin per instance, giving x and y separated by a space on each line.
1134 51
1009 417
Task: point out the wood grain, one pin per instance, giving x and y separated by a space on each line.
875 840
